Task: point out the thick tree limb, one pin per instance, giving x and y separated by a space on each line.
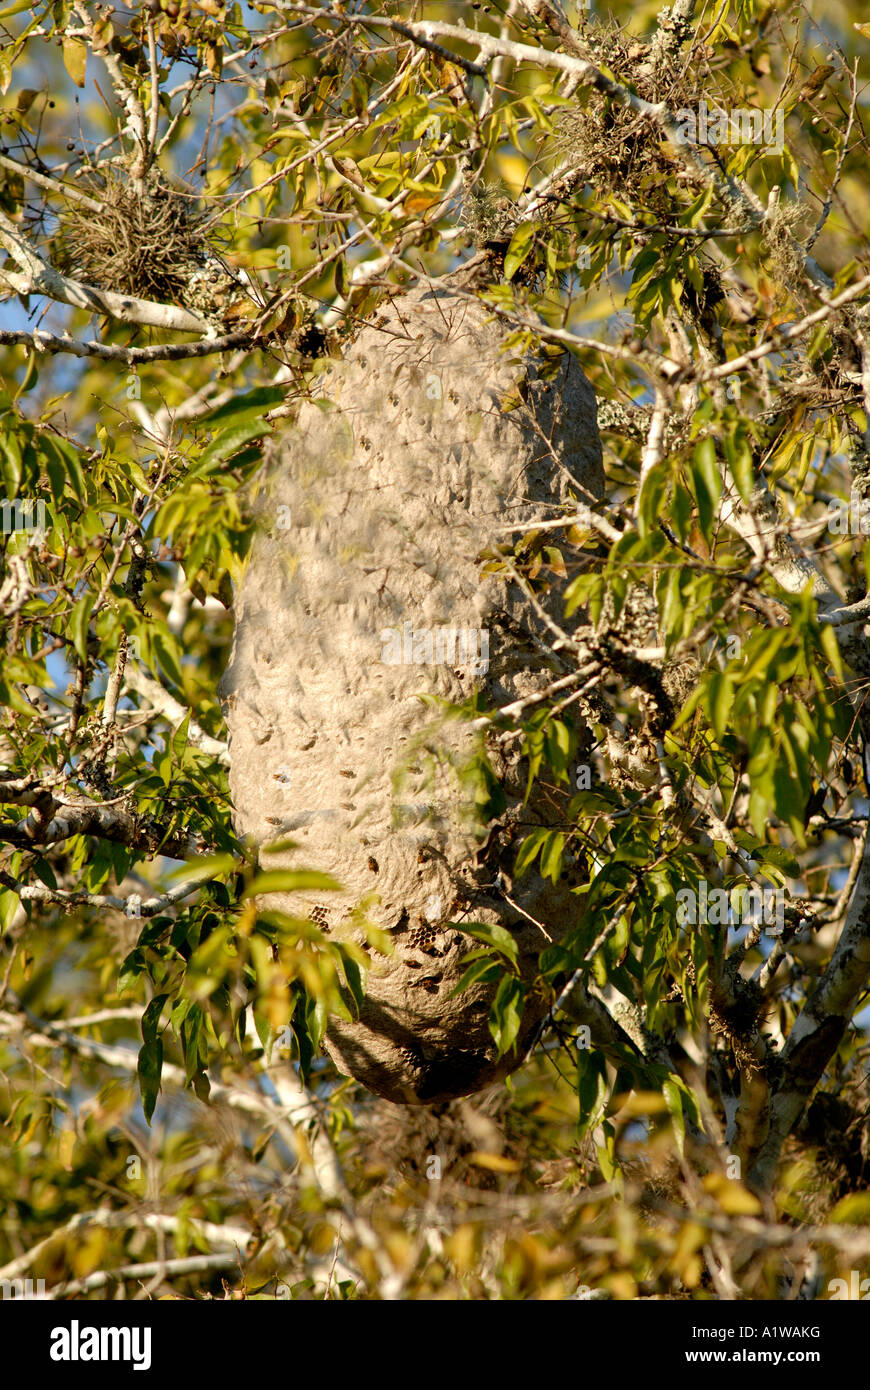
160 699
236 1238
149 1269
134 905
821 1024
51 821
40 341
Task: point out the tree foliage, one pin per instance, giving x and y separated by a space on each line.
199 205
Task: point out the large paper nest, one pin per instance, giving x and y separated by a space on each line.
366 590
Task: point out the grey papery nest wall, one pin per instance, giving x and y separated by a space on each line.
365 591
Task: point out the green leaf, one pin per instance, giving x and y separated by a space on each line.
499 938
18 7
78 624
179 738
45 873
708 485
529 850
743 470
251 405
781 859
355 982
166 650
831 648
521 245
75 58
228 443
134 965
151 1017
290 881
652 500
63 460
693 216
853 1209
674 1098
150 1064
720 698
551 855
592 1088
11 462
586 588
485 970
506 1014
9 905
681 512
31 374
150 1070
198 870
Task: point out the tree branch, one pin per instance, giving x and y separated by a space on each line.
41 341
161 700
821 1024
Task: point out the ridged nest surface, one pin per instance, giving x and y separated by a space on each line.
428 442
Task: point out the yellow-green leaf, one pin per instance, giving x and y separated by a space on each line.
75 59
